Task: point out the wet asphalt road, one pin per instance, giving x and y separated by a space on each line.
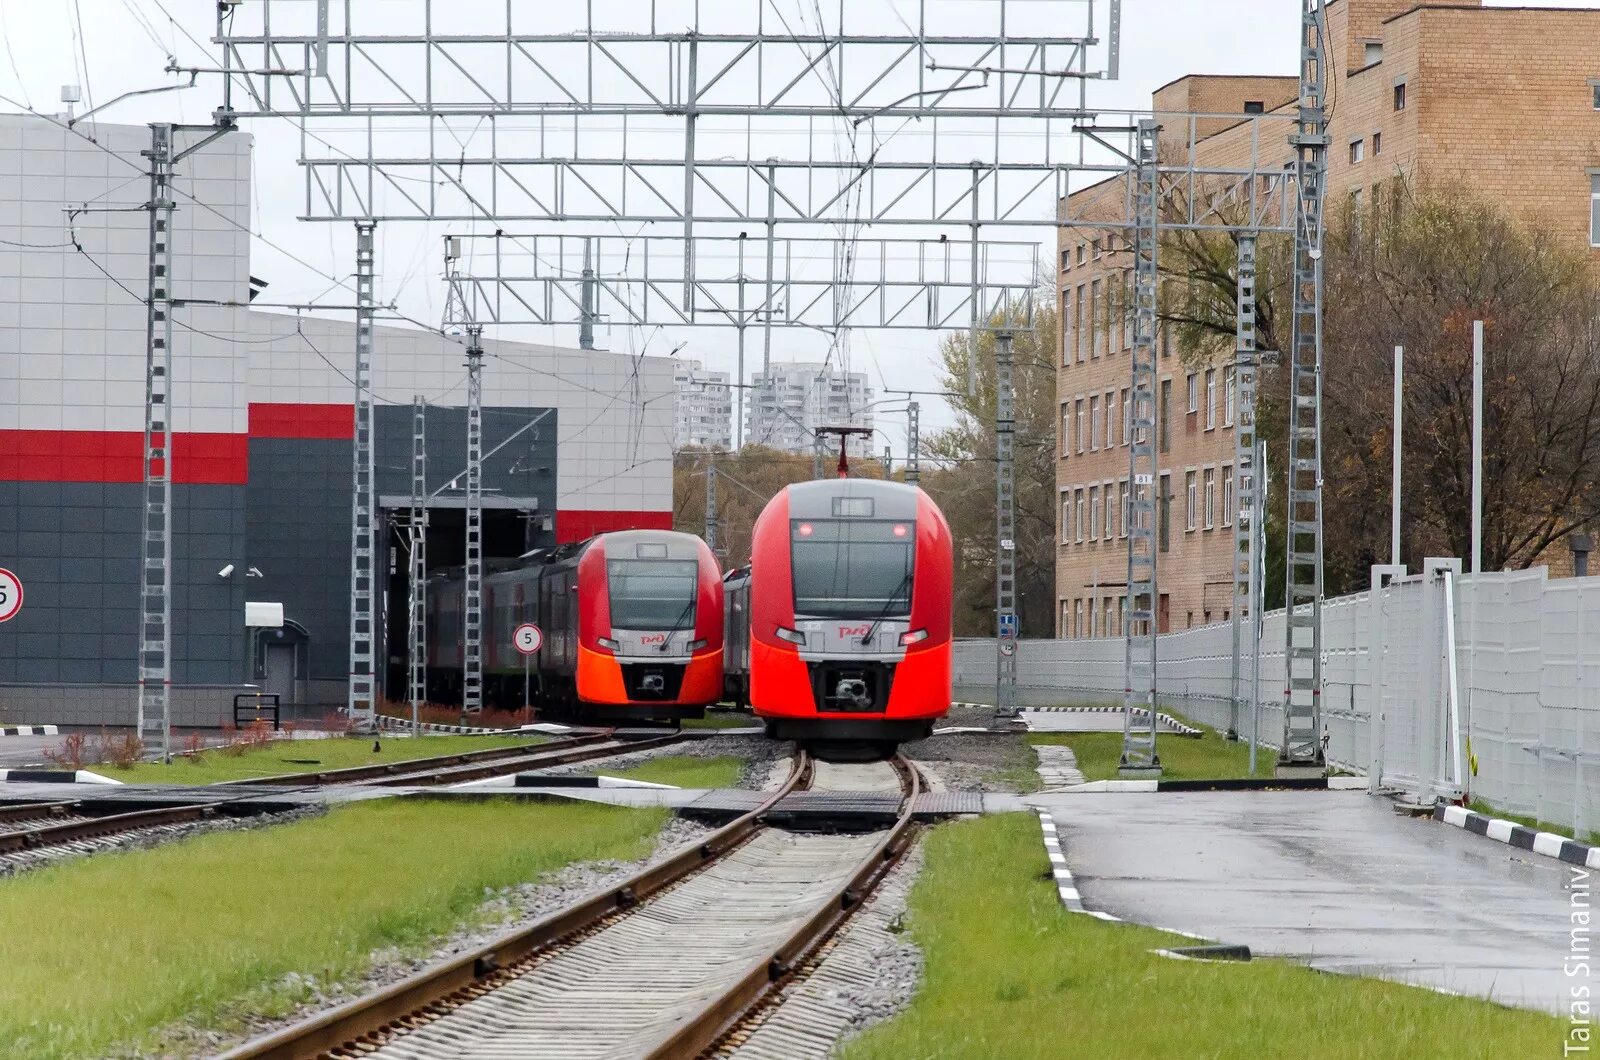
19 751
1334 879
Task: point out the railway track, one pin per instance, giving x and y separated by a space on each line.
669 963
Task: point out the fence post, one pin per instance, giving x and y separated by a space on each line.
1382 574
1431 714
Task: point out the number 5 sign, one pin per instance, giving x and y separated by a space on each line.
10 595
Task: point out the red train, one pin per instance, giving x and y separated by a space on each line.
632 625
840 629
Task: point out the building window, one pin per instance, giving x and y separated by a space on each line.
1126 505
1127 314
1094 423
1211 398
1111 400
1377 144
1066 428
1372 51
1127 416
1358 150
1066 517
1094 513
1255 106
1077 516
1191 493
1083 253
1077 618
1594 89
1194 392
1229 395
1110 525
1094 618
1211 497
1066 620
1068 335
1164 512
1227 495
1066 260
1163 433
1083 425
1097 310
1400 96
1594 209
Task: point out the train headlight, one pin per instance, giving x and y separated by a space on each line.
912 636
608 644
696 645
791 635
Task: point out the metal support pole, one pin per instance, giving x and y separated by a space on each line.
1244 471
1395 488
766 330
363 545
711 507
977 307
1258 593
691 99
417 657
1141 627
155 572
913 443
738 390
819 454
1477 447
1005 570
586 320
1301 752
472 626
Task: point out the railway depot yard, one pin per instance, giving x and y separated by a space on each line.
220 941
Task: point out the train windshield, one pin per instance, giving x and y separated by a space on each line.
852 568
653 593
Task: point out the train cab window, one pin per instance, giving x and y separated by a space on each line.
653 593
852 569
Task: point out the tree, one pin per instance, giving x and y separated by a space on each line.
1415 273
962 479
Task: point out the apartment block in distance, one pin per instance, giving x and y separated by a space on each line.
704 403
794 400
1504 101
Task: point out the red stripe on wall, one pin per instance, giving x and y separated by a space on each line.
577 525
117 456
302 421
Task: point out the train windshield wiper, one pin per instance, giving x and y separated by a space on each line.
894 598
683 616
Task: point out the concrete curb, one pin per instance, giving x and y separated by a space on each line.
30 730
54 776
1520 836
1067 887
1241 784
1164 718
402 725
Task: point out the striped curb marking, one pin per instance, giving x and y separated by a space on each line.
1067 887
1142 712
1520 836
30 730
54 776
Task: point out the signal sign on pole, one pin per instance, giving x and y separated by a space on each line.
1008 626
10 595
527 638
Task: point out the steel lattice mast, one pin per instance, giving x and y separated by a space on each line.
1140 622
1301 750
472 624
417 528
1245 478
1005 580
363 501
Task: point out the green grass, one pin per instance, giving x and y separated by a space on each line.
683 771
1010 974
722 720
1182 758
102 952
303 756
1592 838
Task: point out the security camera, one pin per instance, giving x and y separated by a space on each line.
254 572
225 571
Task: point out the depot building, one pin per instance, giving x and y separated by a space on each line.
263 415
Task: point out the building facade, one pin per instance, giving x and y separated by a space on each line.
262 446
789 404
704 407
1505 101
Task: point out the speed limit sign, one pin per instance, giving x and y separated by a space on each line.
527 638
10 595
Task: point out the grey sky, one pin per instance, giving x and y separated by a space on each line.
125 43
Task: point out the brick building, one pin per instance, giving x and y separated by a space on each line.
1505 101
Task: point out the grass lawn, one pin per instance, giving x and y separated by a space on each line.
721 720
1011 974
1182 757
683 771
304 756
100 953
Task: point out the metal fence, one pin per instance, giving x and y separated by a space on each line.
1514 722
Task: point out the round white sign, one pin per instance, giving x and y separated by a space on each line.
527 638
1008 647
10 595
